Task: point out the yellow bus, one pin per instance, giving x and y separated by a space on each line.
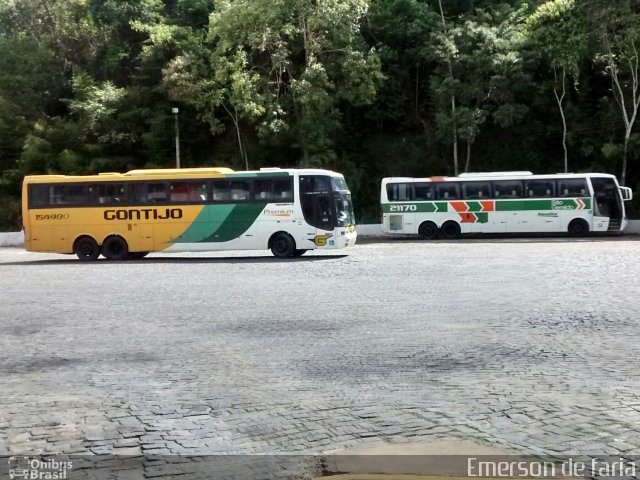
127 215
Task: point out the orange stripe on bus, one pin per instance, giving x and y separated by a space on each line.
459 206
488 206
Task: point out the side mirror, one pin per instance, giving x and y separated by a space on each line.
627 193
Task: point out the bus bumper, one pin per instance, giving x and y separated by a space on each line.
342 238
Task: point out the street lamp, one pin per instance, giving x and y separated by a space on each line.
175 111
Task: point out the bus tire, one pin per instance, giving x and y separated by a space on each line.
450 230
299 253
578 227
137 255
428 231
282 245
87 249
115 248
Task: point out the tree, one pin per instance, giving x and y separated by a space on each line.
616 31
304 59
486 68
557 32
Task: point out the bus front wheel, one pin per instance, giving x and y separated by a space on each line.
115 248
578 228
450 230
428 231
283 245
87 249
299 253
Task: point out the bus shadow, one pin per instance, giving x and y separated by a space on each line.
504 238
176 260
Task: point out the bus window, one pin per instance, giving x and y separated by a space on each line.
539 188
68 195
221 191
573 187
151 193
400 192
507 189
38 195
447 191
423 191
263 189
240 190
315 184
283 189
108 193
476 190
193 192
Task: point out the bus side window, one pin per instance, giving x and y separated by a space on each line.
400 192
221 191
240 190
423 191
38 195
540 188
68 195
283 189
151 193
193 192
447 191
507 189
107 193
263 189
476 190
572 187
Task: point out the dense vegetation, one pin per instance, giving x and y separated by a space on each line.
369 88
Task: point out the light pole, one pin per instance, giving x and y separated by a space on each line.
175 111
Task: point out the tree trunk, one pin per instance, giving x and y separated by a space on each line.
625 154
560 99
466 168
453 99
236 122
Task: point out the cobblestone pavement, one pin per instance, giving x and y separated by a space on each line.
527 345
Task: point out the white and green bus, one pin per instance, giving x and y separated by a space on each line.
127 215
503 202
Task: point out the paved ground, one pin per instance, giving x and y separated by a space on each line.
531 346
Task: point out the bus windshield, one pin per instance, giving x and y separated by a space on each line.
344 210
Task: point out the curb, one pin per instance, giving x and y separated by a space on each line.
11 239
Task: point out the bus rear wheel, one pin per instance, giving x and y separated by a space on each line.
578 228
283 245
87 249
450 230
428 231
115 248
299 253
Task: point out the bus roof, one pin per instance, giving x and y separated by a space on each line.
172 173
495 176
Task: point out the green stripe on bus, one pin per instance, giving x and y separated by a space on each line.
482 217
424 207
221 223
237 222
562 204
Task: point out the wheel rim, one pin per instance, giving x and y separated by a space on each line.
428 231
86 249
281 246
450 231
115 249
